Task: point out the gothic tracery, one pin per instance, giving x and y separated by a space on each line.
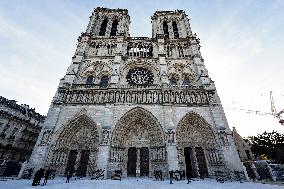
79 135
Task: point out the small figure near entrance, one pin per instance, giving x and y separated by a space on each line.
38 175
117 175
68 175
98 175
176 175
182 175
47 175
171 176
158 175
189 176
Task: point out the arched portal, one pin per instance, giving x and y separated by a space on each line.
138 144
197 148
76 147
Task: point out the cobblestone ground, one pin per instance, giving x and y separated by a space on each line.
59 183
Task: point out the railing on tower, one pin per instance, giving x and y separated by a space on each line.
139 47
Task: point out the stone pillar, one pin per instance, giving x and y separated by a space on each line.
138 163
115 70
172 157
77 163
231 157
103 157
194 161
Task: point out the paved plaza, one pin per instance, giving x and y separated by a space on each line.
131 183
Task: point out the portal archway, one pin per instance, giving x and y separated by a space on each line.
196 145
76 147
138 134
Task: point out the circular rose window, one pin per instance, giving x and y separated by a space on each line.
139 76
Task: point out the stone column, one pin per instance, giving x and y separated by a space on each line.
77 162
172 157
138 163
194 161
103 158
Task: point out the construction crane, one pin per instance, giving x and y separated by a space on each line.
275 113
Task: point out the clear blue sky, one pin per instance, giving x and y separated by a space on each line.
242 44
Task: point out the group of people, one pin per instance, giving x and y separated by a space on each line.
117 175
158 175
42 173
179 175
46 174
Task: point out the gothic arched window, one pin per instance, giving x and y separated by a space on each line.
166 29
173 81
90 80
103 28
186 81
104 81
114 28
175 29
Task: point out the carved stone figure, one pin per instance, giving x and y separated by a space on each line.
135 104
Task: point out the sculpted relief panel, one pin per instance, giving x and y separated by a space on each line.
190 97
79 136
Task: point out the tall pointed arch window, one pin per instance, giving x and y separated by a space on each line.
114 28
104 81
166 29
186 81
173 81
90 80
175 29
103 28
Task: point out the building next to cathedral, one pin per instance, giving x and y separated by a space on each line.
136 104
19 130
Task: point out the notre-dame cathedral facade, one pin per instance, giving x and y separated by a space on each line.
136 104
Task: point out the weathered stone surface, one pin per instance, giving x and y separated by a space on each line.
124 96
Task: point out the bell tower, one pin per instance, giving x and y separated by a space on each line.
171 24
109 23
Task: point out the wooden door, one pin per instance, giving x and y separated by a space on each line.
82 169
201 161
71 161
144 161
188 164
131 164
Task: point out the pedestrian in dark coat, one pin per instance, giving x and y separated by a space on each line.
188 177
68 176
46 176
171 176
38 175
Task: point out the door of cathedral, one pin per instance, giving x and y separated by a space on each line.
201 161
144 161
131 164
71 161
188 165
82 169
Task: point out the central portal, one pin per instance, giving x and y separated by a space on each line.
137 145
138 162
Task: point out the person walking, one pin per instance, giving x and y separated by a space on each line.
68 176
188 177
171 176
38 175
46 176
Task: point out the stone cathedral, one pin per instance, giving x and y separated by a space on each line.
136 104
